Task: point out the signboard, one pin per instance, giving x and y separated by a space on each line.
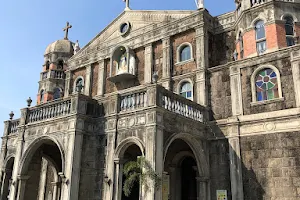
222 195
165 186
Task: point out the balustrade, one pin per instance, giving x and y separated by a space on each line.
180 105
48 111
13 126
57 74
258 2
133 101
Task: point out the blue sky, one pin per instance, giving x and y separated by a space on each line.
27 27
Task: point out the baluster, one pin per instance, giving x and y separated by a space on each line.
145 99
133 101
138 100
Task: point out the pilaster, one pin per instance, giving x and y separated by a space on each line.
43 178
101 78
88 80
166 71
236 91
235 160
202 65
68 83
22 186
148 63
296 75
14 187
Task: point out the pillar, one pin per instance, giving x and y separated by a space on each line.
88 80
202 65
19 150
295 57
236 91
5 184
4 149
56 193
202 188
148 63
166 71
21 185
68 88
118 179
101 78
43 179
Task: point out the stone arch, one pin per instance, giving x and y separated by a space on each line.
197 149
180 48
122 147
186 80
33 146
289 15
75 85
260 17
253 79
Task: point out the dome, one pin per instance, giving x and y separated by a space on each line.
60 46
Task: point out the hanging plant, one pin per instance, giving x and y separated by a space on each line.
139 171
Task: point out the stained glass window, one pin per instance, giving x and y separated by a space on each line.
266 85
186 90
185 53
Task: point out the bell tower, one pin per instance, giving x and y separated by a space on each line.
52 79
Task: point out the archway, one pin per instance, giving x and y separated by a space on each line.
7 179
181 172
41 167
131 154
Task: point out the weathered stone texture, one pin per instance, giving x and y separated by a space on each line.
271 167
157 57
220 94
95 79
140 65
219 167
109 86
284 67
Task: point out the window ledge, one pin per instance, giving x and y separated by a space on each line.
267 101
184 62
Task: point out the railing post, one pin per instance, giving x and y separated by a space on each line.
152 95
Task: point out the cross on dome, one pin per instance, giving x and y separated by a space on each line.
66 29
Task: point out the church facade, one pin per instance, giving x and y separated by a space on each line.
211 102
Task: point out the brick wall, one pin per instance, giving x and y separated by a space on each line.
177 40
140 65
109 86
158 58
271 166
284 67
249 43
94 84
220 94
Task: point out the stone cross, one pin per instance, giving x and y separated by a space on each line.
200 4
66 29
127 4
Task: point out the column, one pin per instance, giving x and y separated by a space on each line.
4 149
68 83
118 179
88 80
19 150
202 184
43 178
148 63
202 65
101 78
296 75
5 184
22 187
55 186
166 71
236 91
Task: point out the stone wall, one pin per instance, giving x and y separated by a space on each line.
220 94
284 67
94 83
219 167
92 167
271 167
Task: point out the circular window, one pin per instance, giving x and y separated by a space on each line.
124 28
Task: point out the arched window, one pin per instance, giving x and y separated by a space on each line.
260 36
266 84
60 64
47 65
42 95
186 90
56 93
185 53
289 30
79 85
241 42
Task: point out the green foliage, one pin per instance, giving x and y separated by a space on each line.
139 172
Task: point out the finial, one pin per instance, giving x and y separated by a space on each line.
11 115
66 29
199 4
127 4
29 101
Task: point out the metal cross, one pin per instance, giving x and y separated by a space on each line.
66 29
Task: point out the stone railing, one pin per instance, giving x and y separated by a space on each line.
180 105
49 110
258 2
13 126
57 74
133 101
